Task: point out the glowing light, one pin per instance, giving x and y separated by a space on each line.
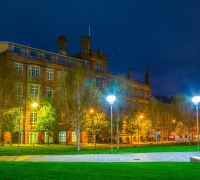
196 100
91 111
34 105
141 117
111 99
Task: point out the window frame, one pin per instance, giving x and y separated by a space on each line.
49 74
18 68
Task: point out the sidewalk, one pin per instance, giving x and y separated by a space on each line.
132 157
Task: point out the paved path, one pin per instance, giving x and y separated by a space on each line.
132 157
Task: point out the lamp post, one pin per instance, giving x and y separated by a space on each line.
196 100
93 127
19 121
34 105
111 99
140 118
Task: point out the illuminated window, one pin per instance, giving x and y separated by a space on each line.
49 93
33 137
48 136
34 92
33 118
18 69
73 136
18 90
34 71
62 136
49 74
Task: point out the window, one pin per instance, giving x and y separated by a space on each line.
34 71
49 74
61 76
99 67
136 92
47 57
61 60
48 137
72 62
61 95
49 93
62 136
99 82
85 64
17 50
33 137
18 69
140 92
33 118
18 90
128 93
73 136
34 92
32 53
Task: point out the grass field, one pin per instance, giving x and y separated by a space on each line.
98 171
64 150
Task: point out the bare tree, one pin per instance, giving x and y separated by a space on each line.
81 96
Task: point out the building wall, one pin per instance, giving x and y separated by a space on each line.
95 61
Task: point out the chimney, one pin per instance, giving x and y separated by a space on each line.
147 76
85 45
62 45
130 74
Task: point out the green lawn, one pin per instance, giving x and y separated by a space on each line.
62 150
115 171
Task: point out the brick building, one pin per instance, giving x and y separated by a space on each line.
28 74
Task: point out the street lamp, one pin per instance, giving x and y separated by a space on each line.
91 111
140 118
111 99
93 127
34 105
19 121
196 100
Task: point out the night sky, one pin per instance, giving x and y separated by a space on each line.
164 35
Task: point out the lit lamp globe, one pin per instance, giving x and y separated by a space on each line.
111 99
196 100
34 105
